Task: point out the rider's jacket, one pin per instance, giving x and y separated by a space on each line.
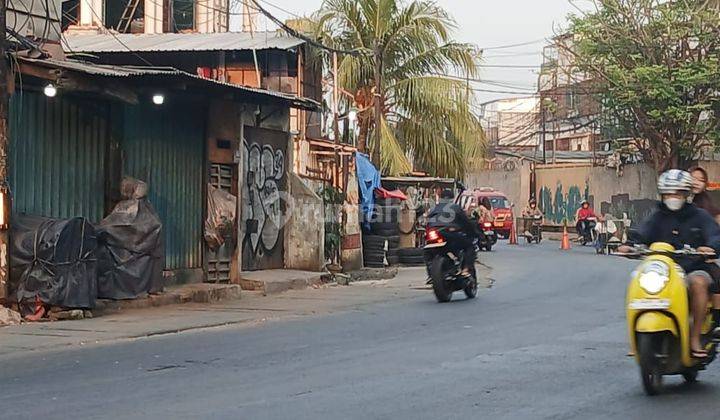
688 226
446 214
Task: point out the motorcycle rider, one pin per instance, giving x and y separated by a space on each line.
529 213
459 230
680 223
583 223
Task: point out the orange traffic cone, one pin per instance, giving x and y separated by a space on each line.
565 245
513 235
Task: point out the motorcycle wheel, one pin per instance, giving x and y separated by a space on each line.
471 289
690 376
648 347
488 247
442 291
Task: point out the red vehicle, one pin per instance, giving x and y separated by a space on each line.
501 207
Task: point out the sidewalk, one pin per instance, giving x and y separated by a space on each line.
253 308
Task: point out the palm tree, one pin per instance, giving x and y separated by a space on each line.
408 79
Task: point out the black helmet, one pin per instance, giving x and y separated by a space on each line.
447 194
532 201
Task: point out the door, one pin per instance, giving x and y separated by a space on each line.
219 262
264 195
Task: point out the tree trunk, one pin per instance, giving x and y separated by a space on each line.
377 97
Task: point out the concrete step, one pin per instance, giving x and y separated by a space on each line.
278 281
197 293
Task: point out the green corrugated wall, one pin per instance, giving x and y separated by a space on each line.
57 155
165 146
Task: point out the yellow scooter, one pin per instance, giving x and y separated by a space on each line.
658 317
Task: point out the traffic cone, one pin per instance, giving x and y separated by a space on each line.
565 245
513 234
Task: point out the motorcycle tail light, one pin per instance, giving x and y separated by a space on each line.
433 236
487 225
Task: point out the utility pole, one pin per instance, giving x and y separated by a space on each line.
4 190
336 120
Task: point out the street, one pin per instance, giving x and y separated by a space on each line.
547 341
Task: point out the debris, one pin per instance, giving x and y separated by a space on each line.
9 317
74 314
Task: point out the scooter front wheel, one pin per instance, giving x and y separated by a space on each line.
648 347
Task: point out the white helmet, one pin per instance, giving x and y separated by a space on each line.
674 181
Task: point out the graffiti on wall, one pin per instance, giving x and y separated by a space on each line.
621 205
560 206
263 199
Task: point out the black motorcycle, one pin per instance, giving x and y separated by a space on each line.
445 266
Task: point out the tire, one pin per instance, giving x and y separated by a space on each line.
387 202
437 274
393 252
395 260
647 348
488 247
374 255
378 242
411 252
690 376
388 214
372 264
471 290
416 259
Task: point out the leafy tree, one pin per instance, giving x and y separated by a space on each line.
401 79
656 65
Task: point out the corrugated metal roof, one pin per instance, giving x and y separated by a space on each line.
221 41
106 70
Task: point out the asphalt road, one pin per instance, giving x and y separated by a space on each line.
548 341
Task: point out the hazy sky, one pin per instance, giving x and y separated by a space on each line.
488 24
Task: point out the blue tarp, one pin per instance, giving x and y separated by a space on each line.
369 179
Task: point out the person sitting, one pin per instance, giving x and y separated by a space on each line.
585 220
700 196
679 223
530 215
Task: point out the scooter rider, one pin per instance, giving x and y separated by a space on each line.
529 213
679 223
582 217
459 229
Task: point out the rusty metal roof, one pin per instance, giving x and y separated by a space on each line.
105 70
168 42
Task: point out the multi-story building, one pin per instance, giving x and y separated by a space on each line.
569 111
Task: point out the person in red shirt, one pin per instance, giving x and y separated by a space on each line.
585 220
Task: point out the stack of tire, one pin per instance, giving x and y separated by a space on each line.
380 246
412 256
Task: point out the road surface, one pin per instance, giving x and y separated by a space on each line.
548 341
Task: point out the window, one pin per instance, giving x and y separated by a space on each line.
498 202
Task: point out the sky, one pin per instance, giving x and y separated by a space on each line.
488 24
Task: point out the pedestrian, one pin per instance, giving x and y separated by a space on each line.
700 197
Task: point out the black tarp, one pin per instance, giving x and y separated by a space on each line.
131 255
53 260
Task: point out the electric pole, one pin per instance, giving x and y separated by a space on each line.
4 190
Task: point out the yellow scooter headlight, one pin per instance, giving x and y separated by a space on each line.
654 276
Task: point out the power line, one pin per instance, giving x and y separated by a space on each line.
296 34
97 16
522 44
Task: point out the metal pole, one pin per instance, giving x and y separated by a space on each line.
4 190
336 120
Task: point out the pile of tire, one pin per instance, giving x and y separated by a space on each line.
412 256
380 246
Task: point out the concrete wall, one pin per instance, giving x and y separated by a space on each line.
562 189
515 184
305 228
